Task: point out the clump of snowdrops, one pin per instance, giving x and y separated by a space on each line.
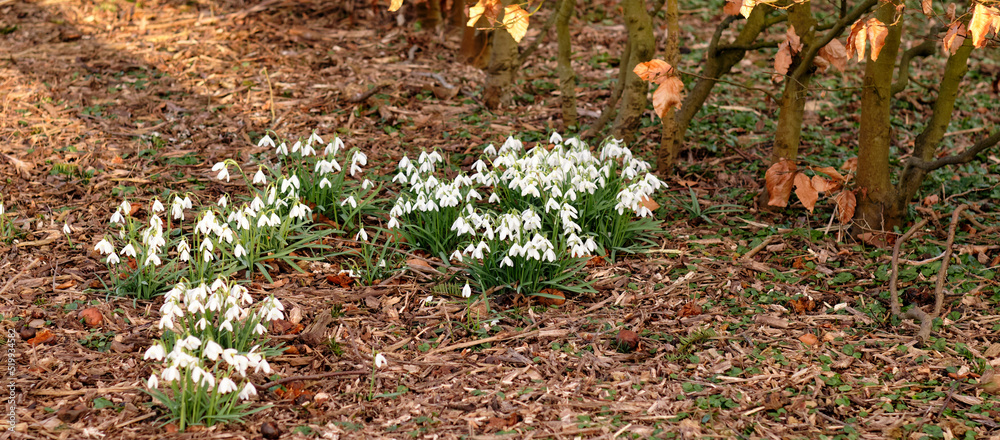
528 220
210 343
145 257
330 177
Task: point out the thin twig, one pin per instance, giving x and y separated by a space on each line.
759 247
943 272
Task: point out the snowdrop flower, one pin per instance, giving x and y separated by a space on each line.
350 200
153 382
325 183
248 391
226 386
265 141
223 201
105 247
226 325
362 234
507 262
380 361
212 350
357 161
314 138
152 258
239 251
1 209
259 177
155 351
117 217
128 250
184 250
296 146
393 223
257 204
429 299
222 169
282 150
478 252
113 259
290 183
466 291
555 138
367 184
171 374
456 256
333 147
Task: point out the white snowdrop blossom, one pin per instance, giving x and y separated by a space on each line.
222 169
259 177
105 247
380 361
248 391
226 386
266 141
466 291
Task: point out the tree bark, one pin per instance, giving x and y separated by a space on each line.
793 99
640 39
672 55
429 14
927 142
504 62
567 76
876 210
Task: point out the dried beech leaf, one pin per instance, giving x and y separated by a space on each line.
805 191
846 203
984 19
747 7
485 8
825 185
856 40
925 7
23 168
794 42
876 36
668 94
778 180
782 60
732 7
394 5
831 172
950 12
654 71
515 20
850 165
835 53
953 38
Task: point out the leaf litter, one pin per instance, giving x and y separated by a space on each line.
103 101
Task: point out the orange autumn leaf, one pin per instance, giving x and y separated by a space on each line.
856 40
42 336
925 7
984 20
782 61
515 20
824 185
846 203
747 7
778 179
876 36
732 7
832 172
394 5
850 165
653 70
668 94
805 191
485 8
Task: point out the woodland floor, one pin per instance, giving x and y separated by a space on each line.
104 100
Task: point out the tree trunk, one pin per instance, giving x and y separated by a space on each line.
504 62
927 142
429 14
640 40
672 55
793 99
876 210
718 63
567 76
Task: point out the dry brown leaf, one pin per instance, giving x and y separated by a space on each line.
850 165
782 61
653 71
984 20
953 38
834 53
846 203
823 184
747 7
627 341
809 339
649 203
950 12
42 336
690 429
856 40
91 317
925 7
778 179
394 5
732 7
515 20
794 42
831 172
667 95
771 321
876 36
931 200
485 8
554 298
805 191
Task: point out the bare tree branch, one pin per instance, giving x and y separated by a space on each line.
963 157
